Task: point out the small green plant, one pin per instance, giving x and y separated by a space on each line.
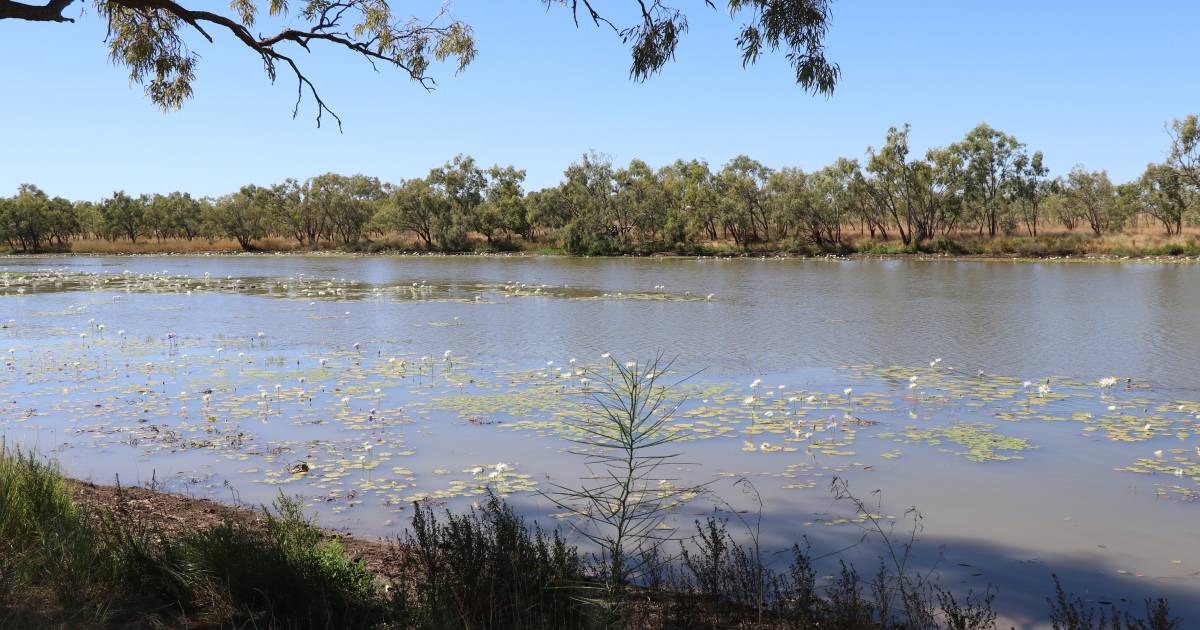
287 571
622 503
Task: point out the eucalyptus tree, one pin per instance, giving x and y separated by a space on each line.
32 220
7 234
25 221
862 202
1094 198
1028 188
1058 206
640 204
692 201
792 203
122 216
88 218
745 209
174 215
936 186
548 210
991 159
587 197
240 216
344 204
462 184
890 186
154 39
1164 192
413 206
1185 149
62 222
290 212
504 203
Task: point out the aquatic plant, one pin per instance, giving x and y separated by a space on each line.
622 503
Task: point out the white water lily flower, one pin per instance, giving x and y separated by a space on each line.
848 391
748 400
755 383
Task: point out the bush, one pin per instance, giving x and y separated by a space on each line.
488 569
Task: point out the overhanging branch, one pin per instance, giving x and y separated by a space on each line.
52 11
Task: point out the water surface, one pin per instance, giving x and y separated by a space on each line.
975 392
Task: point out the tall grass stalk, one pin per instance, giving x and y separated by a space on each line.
622 504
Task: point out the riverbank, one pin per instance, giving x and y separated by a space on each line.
1072 247
82 555
1052 246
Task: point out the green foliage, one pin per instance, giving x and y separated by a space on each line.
988 185
238 216
151 39
488 569
122 215
339 206
1164 193
176 215
287 571
1092 196
31 220
796 26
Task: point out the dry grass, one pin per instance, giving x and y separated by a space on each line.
1139 240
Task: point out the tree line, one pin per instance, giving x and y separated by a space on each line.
988 184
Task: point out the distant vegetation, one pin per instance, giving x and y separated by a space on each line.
987 193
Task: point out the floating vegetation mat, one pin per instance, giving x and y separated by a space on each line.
302 286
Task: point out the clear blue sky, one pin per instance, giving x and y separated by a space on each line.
1085 82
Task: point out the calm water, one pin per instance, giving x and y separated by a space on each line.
218 375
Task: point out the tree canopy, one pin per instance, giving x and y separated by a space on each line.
987 185
154 38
